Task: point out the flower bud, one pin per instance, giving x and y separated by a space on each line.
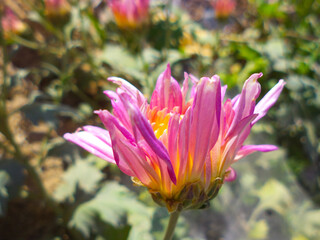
130 14
58 11
11 24
223 8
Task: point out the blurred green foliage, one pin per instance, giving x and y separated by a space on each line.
53 78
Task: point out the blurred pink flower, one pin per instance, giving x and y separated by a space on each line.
223 8
182 144
11 24
56 8
130 13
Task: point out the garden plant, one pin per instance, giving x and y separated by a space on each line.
196 119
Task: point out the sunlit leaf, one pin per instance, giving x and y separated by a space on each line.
259 230
117 206
81 175
275 195
113 55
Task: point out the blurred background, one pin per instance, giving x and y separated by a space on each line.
55 58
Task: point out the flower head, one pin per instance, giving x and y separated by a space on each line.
130 14
57 8
11 24
223 8
182 144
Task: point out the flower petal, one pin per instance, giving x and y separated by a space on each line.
248 149
183 144
107 117
268 100
119 110
244 104
231 175
172 147
95 142
167 93
143 131
204 125
250 92
135 94
128 156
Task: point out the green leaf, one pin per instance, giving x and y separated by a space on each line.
274 195
11 180
59 147
121 60
37 112
16 174
310 224
271 10
117 206
81 175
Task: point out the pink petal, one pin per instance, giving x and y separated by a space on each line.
242 126
135 94
205 121
245 104
184 91
185 86
173 129
106 117
248 149
143 131
223 91
231 175
118 109
128 156
167 93
98 144
183 143
250 92
268 100
195 82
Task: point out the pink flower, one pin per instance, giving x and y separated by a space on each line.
223 8
11 24
182 144
130 13
57 8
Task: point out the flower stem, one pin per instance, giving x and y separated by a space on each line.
172 225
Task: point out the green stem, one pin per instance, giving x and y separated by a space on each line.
5 128
26 43
172 225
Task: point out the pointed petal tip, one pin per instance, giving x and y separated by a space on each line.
98 111
115 79
67 136
271 148
216 77
167 72
282 82
254 77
